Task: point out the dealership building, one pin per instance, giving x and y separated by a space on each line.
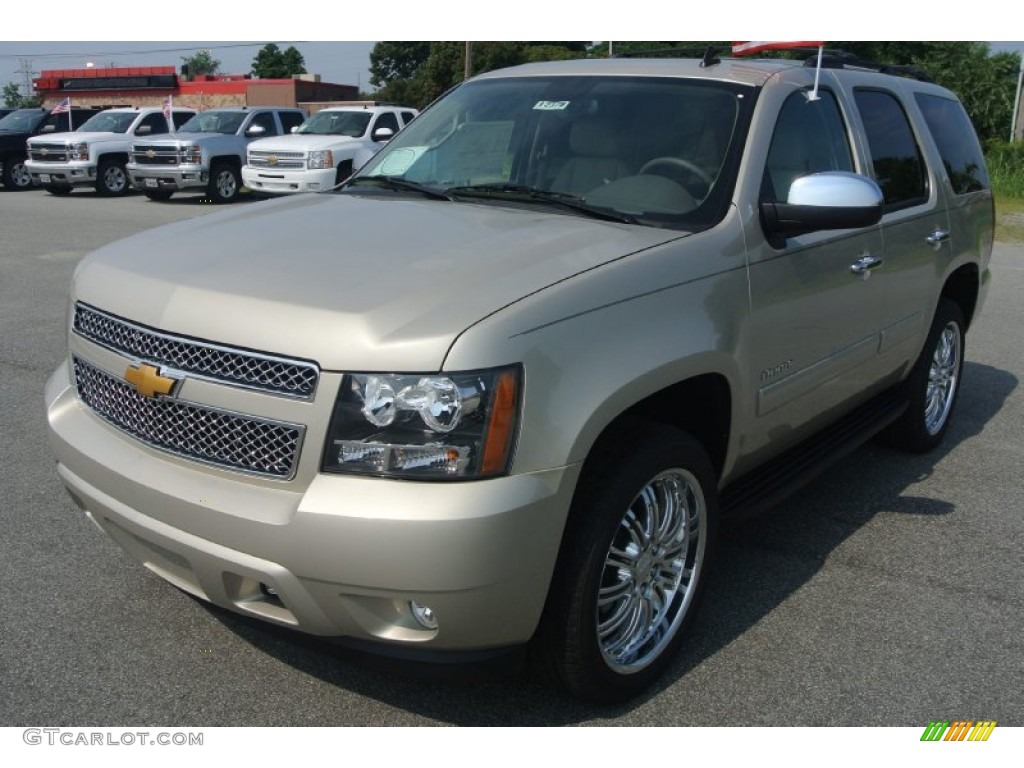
150 86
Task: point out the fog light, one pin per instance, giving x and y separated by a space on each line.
423 614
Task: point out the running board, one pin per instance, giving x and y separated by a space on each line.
770 483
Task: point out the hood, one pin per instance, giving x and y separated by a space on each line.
299 142
174 138
352 282
76 137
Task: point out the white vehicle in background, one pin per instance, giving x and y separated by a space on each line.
97 153
323 151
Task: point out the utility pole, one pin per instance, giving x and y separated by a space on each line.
469 62
1016 101
25 70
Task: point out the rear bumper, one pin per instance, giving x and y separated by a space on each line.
342 557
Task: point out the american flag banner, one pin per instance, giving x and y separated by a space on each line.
168 106
744 47
64 106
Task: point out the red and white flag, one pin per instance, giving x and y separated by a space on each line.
64 106
744 47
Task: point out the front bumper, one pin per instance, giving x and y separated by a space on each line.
342 556
167 178
273 182
74 173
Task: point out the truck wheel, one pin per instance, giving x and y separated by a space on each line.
158 194
112 178
344 171
636 552
933 384
16 175
224 183
60 190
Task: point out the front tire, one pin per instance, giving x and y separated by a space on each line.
933 384
58 190
112 178
16 175
637 549
224 183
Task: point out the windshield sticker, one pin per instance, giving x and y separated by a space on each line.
551 105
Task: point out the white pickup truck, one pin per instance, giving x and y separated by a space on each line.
95 154
323 151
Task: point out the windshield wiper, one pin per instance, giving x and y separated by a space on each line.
524 193
395 182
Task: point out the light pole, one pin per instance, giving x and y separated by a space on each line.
1016 100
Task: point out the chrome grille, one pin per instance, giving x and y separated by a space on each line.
198 432
161 155
49 153
260 158
254 370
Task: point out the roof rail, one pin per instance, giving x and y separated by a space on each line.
837 59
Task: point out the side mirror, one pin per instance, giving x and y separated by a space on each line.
255 130
383 134
294 128
144 130
49 129
819 201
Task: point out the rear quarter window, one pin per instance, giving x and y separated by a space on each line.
957 142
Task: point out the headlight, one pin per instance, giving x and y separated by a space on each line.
454 426
191 155
321 158
79 151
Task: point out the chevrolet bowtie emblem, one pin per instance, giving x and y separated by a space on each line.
44 151
272 160
150 153
147 380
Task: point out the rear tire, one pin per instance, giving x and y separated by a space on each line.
634 560
933 384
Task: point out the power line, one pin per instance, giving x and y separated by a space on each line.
201 46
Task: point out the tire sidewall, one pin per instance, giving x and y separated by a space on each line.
605 492
214 190
101 179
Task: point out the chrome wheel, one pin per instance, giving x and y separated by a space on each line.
115 181
651 571
19 175
943 375
226 184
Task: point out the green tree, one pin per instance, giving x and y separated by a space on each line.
13 97
272 62
200 63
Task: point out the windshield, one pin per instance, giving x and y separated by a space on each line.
336 123
214 121
659 151
23 120
112 122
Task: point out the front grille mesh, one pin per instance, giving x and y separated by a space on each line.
49 153
277 160
196 432
254 370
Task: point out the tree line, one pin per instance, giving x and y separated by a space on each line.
415 73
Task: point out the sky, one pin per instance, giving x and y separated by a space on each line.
82 38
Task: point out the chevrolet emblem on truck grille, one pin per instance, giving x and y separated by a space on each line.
272 160
148 382
151 153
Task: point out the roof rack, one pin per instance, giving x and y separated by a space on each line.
708 56
837 59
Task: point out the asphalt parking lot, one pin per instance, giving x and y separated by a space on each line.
889 592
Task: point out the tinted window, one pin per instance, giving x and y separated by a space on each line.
407 117
266 121
386 120
290 120
23 120
958 145
809 137
180 118
156 122
899 169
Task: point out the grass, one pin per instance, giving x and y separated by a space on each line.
1010 219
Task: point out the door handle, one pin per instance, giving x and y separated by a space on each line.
938 237
865 264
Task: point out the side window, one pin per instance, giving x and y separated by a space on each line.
958 145
290 120
266 120
899 167
180 118
809 137
386 120
407 117
157 124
